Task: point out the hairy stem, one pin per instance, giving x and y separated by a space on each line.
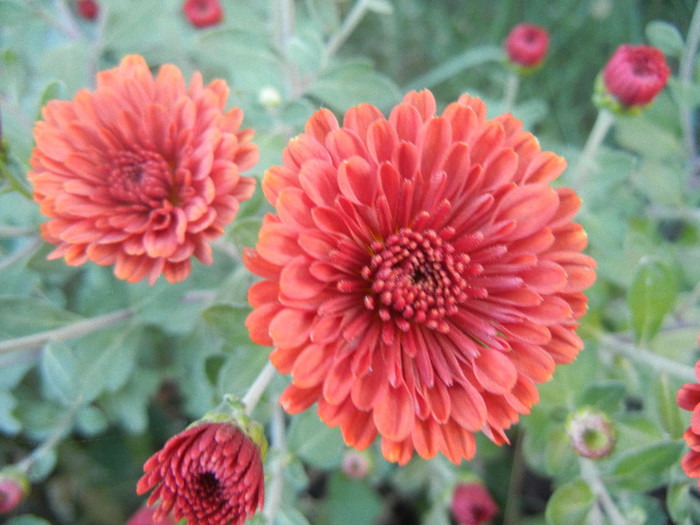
276 486
685 75
256 390
641 355
511 514
589 473
511 92
600 129
60 432
347 27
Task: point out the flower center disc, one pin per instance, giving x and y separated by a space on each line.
418 277
140 177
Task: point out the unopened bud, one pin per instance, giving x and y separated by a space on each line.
269 97
591 433
14 487
356 464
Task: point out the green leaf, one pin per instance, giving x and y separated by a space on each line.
351 501
90 421
353 83
106 361
54 90
570 504
289 516
667 409
669 190
130 404
685 94
650 297
666 37
605 395
644 469
69 63
13 12
43 466
380 6
27 315
9 424
244 56
57 367
28 519
438 515
313 442
648 138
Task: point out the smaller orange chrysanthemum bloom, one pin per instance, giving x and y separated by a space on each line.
142 173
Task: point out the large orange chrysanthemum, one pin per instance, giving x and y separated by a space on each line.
420 276
142 173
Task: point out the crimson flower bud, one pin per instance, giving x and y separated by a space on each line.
634 75
472 504
526 45
88 9
211 473
203 13
14 487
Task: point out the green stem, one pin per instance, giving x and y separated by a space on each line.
511 92
589 473
78 329
600 129
20 254
7 231
14 182
685 74
256 390
511 514
347 27
447 70
60 432
273 498
641 355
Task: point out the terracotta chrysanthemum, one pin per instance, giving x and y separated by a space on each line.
634 75
420 275
688 398
210 474
142 173
526 45
472 504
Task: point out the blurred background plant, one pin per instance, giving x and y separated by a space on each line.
96 374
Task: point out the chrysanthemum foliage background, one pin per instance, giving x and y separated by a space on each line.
97 373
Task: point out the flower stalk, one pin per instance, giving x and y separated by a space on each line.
602 125
256 390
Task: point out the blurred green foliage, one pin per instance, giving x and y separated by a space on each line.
112 397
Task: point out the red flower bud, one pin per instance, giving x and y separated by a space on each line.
526 45
472 504
14 487
211 473
634 75
88 9
203 13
